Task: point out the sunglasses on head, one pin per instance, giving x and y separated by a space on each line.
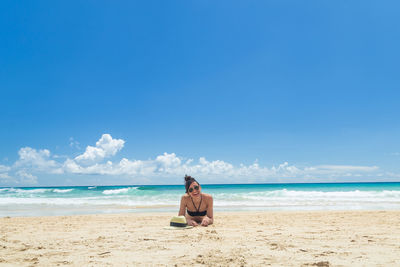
196 187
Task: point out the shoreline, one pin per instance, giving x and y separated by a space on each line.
249 238
142 212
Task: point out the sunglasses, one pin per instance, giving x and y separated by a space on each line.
196 187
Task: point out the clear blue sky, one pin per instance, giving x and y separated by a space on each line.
315 84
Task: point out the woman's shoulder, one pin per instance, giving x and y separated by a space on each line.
185 196
206 196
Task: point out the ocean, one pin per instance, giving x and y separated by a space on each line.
71 200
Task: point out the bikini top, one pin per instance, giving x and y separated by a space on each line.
197 212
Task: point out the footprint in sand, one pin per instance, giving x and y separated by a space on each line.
63 262
31 260
319 264
326 253
276 246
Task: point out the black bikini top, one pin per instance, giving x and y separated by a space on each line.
197 212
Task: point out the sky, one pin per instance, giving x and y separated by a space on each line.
144 92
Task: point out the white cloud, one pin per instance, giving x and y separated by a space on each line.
167 165
38 160
4 176
337 170
4 168
26 178
105 147
346 168
124 167
168 160
32 162
136 167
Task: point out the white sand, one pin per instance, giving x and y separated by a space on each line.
328 238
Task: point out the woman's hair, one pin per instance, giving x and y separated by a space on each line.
188 181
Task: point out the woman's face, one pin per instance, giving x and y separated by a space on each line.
194 189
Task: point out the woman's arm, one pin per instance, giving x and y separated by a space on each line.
209 218
182 209
182 212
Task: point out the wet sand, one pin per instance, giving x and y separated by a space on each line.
307 238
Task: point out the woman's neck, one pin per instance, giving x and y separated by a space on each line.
196 198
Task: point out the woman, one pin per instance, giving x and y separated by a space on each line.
199 206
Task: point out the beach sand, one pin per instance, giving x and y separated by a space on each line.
307 238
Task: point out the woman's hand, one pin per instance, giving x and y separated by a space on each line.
193 223
206 221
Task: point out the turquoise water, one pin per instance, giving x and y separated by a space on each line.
38 201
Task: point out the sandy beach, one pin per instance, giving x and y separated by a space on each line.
316 238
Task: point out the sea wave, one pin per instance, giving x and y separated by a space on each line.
118 191
89 201
29 191
311 195
131 197
8 189
62 190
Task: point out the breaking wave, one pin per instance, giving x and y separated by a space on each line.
106 198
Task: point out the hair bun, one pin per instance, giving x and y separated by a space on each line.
187 177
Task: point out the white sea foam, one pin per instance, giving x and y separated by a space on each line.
62 190
32 191
311 199
118 191
8 189
311 195
256 199
94 201
39 199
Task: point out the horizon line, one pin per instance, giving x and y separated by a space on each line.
380 182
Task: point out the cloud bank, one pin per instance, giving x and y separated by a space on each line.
97 160
106 147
